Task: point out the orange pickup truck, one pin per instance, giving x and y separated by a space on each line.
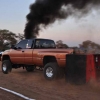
30 53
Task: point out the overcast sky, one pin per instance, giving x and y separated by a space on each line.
72 31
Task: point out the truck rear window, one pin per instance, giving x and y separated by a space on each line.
44 44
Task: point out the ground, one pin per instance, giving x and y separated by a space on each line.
35 86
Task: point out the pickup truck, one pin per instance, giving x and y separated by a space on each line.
30 53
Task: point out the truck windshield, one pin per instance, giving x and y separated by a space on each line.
44 44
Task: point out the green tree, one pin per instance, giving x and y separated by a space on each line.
7 38
60 44
88 43
20 36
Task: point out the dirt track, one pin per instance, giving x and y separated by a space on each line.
35 86
8 96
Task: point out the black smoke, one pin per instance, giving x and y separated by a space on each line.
45 12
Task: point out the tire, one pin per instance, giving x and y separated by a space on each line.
51 71
30 68
6 66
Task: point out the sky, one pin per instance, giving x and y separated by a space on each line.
72 31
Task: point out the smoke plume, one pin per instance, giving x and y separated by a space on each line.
45 12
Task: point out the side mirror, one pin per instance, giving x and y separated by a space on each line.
13 47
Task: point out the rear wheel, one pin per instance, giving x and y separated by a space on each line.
30 68
6 66
51 71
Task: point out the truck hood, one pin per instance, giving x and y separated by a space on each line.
6 51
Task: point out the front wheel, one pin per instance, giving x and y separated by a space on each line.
6 66
51 71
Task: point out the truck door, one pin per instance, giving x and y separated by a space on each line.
29 52
17 55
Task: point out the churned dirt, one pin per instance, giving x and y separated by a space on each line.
34 85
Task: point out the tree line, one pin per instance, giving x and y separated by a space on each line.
8 38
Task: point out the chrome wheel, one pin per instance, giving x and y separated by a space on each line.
4 67
49 72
